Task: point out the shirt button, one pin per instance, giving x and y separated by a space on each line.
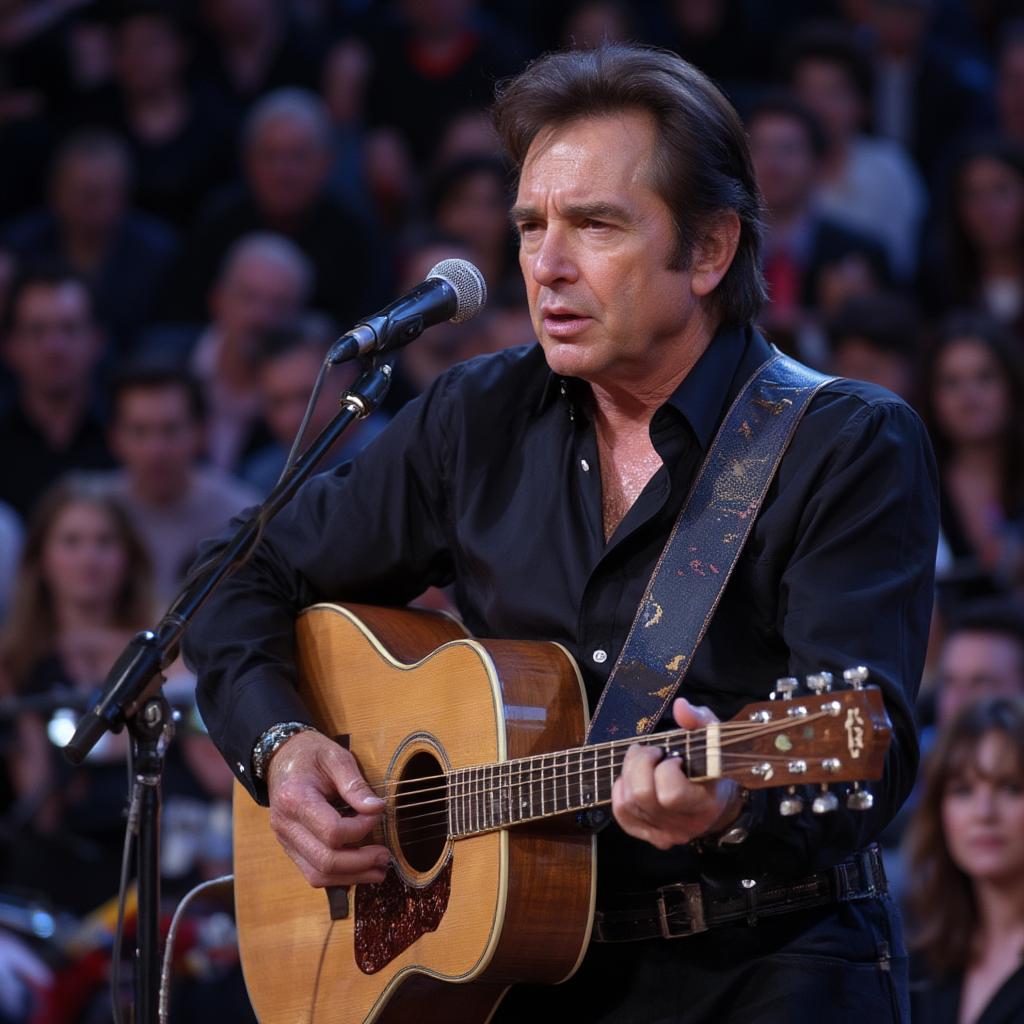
584 465
600 656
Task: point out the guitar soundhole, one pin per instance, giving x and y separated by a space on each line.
421 811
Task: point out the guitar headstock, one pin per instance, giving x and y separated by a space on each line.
814 734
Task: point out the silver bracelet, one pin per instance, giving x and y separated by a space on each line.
268 743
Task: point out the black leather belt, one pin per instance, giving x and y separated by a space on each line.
685 908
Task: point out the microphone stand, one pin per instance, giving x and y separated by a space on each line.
132 697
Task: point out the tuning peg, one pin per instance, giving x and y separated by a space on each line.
792 803
856 677
784 687
859 799
825 802
819 682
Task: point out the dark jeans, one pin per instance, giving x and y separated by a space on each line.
842 964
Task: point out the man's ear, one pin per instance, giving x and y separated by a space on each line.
714 253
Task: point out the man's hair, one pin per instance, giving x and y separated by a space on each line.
701 164
310 332
832 43
297 105
782 103
886 321
44 274
93 142
155 376
274 248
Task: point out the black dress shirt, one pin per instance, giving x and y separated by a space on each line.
491 481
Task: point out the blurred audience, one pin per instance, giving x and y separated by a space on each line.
52 344
877 338
174 502
287 364
1009 90
974 405
287 148
979 260
867 182
965 852
90 226
812 262
11 537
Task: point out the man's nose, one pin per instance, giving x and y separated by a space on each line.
553 261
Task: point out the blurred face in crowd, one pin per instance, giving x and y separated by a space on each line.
148 55
157 438
90 192
825 88
976 664
285 384
346 70
475 210
970 395
54 344
983 813
784 162
992 205
286 164
238 17
256 292
84 559
899 27
858 359
437 17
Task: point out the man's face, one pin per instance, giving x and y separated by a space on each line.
596 242
286 165
978 664
285 384
156 438
53 345
859 359
825 88
255 294
783 161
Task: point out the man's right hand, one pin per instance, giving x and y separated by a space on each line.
305 777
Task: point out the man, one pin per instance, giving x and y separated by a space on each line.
286 160
544 482
812 262
157 435
52 344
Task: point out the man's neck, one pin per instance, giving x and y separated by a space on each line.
162 497
56 416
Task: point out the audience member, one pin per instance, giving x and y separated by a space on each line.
974 404
287 151
52 344
157 435
287 365
125 255
869 183
812 262
1009 91
469 200
590 23
980 259
180 133
877 338
11 537
965 851
264 282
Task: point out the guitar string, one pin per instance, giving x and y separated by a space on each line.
698 745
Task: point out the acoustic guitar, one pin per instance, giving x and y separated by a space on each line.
476 747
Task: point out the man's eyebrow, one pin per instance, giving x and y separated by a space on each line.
597 210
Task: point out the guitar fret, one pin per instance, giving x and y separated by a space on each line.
568 798
543 767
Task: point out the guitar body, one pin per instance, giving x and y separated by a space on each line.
455 923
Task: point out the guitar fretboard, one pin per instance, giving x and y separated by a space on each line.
487 797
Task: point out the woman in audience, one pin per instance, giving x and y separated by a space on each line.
980 261
965 852
974 404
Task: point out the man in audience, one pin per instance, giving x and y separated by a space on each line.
812 261
89 225
287 151
52 344
157 435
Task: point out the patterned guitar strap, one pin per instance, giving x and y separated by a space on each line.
703 548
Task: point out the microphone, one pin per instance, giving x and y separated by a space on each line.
453 290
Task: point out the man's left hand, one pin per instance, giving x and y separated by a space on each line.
653 800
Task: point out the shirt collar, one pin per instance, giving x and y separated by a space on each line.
700 397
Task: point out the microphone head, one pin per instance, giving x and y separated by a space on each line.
468 284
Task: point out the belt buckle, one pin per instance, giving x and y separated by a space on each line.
692 901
